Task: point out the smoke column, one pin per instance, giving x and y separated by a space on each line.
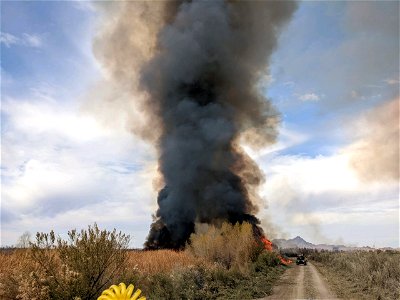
197 68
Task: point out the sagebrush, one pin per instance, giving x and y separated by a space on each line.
372 274
80 267
90 260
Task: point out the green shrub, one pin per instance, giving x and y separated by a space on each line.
160 286
198 283
265 261
201 282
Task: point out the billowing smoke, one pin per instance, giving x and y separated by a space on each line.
374 154
195 68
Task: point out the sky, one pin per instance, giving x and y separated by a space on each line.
332 176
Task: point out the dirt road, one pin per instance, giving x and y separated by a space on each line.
301 282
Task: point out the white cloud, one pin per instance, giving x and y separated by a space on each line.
84 5
288 137
127 216
8 39
51 118
392 81
321 197
354 55
309 97
343 217
28 40
315 196
59 164
32 40
289 83
296 178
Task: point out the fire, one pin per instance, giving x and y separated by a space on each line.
284 260
268 246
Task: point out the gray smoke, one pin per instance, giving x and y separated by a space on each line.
199 83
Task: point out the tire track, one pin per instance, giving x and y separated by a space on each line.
301 282
323 291
299 291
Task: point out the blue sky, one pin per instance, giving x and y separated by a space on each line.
334 78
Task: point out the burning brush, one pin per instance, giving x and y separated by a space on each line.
269 247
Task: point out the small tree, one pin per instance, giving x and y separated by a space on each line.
24 240
83 265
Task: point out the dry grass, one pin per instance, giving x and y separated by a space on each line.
160 261
232 246
217 265
16 277
366 275
17 270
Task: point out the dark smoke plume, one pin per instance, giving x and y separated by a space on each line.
198 74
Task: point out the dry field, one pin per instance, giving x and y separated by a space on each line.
361 274
21 277
221 263
160 261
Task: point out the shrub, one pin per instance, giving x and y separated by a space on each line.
81 266
375 274
17 272
210 283
266 260
232 246
91 260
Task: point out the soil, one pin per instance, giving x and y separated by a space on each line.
302 282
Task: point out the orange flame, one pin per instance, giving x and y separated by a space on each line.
268 246
284 260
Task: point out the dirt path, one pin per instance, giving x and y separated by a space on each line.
301 282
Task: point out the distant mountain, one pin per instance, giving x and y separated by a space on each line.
299 242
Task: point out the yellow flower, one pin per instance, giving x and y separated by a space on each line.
121 292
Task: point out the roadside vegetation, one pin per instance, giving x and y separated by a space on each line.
218 263
361 274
